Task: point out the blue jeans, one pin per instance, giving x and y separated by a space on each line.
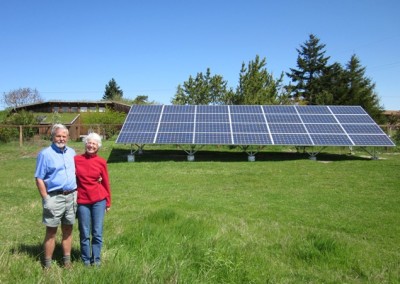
91 217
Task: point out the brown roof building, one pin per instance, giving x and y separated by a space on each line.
76 130
74 106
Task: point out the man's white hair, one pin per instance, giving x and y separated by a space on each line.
93 136
56 127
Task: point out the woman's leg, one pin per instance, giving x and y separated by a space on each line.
84 220
98 211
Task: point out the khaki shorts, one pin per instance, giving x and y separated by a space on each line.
59 209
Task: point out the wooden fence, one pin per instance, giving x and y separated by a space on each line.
77 131
37 132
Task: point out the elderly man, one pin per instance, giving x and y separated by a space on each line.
56 182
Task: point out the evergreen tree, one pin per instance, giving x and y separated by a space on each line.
311 65
204 89
141 100
113 92
218 90
200 93
256 85
229 97
361 90
334 86
180 97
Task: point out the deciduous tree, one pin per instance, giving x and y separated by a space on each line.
22 96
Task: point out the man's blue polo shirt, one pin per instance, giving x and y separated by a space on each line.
56 168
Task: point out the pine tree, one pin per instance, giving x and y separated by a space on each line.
256 85
311 65
113 92
204 89
361 90
334 83
141 100
180 98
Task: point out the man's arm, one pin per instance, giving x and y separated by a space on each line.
41 187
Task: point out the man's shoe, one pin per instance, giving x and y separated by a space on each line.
68 265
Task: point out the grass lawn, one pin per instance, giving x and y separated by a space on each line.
219 219
65 118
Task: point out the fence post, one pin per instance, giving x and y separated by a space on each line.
20 136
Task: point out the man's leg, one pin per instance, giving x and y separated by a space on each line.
66 243
49 244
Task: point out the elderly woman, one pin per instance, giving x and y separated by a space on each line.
94 199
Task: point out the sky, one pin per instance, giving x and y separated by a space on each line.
70 50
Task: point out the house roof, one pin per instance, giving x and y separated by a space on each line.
392 112
60 103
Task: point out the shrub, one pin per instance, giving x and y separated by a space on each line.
110 121
396 137
7 134
23 118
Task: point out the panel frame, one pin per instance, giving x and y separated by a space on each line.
320 124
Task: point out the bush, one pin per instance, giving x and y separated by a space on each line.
110 121
396 137
23 118
8 134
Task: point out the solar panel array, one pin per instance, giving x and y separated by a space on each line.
251 125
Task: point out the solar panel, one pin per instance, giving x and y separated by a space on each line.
245 109
140 127
292 139
283 118
287 128
136 137
179 109
212 117
324 128
331 140
347 110
362 129
174 138
313 110
145 109
249 128
354 119
318 118
176 127
247 118
177 117
252 139
213 127
279 109
212 109
142 117
213 138
371 140
252 125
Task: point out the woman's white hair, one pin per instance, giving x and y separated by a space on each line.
93 136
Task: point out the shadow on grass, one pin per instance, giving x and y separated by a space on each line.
121 156
36 252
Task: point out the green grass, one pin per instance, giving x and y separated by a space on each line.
62 117
220 219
